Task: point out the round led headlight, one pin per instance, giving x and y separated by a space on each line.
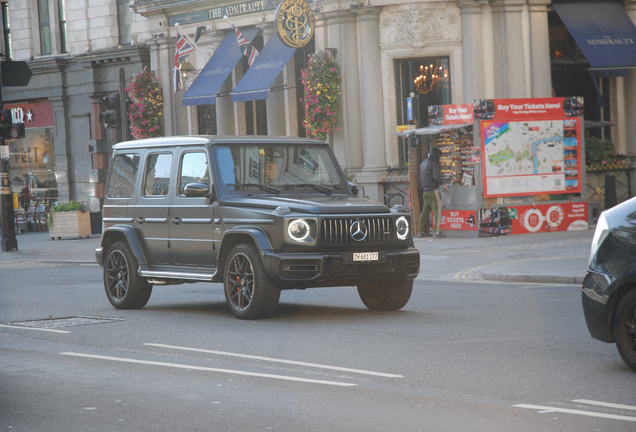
402 228
298 230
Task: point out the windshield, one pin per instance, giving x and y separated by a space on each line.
279 168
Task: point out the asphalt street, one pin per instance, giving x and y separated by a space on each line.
466 353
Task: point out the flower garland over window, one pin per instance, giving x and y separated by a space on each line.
321 78
146 107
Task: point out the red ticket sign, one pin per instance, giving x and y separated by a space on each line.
450 114
528 109
459 220
548 217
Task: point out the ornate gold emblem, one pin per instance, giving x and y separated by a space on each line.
295 23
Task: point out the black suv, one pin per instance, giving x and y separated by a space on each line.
259 214
609 287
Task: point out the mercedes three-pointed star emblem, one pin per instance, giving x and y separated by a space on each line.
358 231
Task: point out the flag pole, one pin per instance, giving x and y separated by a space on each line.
190 41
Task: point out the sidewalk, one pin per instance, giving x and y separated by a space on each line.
559 257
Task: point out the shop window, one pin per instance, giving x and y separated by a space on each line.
32 166
207 119
427 82
124 20
123 176
157 178
300 63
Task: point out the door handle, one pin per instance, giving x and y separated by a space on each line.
140 220
175 221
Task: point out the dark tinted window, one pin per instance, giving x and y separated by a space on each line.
123 176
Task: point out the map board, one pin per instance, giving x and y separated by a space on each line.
531 151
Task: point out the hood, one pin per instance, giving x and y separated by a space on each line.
314 204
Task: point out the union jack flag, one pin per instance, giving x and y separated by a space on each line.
181 50
246 47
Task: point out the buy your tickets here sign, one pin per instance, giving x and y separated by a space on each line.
530 146
450 114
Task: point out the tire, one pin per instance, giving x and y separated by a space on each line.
386 297
248 292
125 289
625 328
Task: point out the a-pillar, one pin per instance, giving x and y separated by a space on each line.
509 63
275 103
371 99
541 79
224 106
473 50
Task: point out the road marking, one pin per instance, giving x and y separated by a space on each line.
314 365
577 412
34 328
208 369
605 404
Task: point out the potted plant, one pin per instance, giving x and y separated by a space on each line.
69 219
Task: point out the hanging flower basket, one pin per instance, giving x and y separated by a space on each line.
321 80
146 105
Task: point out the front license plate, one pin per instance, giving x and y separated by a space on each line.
365 256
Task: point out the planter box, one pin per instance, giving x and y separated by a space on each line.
70 224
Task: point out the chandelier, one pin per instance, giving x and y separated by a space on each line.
430 77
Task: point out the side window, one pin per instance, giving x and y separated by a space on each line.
123 176
193 169
157 178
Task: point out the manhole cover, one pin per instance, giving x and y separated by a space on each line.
55 323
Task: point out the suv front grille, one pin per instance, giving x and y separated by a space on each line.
338 230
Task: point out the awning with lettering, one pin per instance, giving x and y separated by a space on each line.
602 30
204 88
259 77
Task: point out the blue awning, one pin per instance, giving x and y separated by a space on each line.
602 30
204 88
260 76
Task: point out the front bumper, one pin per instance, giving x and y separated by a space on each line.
596 291
292 271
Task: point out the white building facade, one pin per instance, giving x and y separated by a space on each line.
491 49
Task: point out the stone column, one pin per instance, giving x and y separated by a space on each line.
224 106
339 32
276 121
630 98
371 89
541 79
472 50
509 62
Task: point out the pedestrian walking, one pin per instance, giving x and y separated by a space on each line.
430 181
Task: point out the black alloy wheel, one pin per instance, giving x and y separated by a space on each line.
125 289
248 292
625 328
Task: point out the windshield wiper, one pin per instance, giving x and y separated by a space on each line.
259 185
319 188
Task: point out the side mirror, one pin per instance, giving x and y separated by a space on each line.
196 190
354 189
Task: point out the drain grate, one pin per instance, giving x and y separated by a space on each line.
56 323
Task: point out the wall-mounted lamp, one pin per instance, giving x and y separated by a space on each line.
185 68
